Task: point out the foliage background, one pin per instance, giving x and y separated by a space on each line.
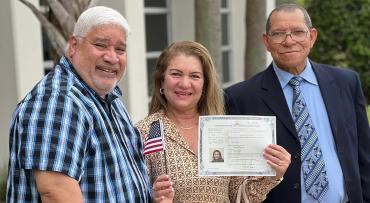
343 40
2 186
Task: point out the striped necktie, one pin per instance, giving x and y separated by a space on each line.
313 166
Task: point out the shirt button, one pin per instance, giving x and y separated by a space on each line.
296 186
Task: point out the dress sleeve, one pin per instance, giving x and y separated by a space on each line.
251 189
51 134
143 128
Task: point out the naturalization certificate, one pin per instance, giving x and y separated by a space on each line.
233 145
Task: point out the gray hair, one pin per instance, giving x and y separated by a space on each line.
290 8
97 16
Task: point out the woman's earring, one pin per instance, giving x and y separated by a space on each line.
161 90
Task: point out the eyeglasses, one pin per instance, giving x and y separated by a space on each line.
296 35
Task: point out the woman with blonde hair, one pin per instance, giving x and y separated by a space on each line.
186 86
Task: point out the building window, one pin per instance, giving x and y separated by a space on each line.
226 42
157 30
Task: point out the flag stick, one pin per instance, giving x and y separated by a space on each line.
165 161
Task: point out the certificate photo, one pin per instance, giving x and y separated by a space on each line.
233 145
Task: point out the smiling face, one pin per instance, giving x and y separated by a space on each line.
183 83
99 57
289 55
216 155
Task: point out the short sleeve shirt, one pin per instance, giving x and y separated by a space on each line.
62 125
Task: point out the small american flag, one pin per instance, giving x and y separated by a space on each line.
154 141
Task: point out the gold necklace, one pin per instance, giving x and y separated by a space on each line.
187 128
176 122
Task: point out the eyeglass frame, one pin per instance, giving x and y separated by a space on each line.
292 36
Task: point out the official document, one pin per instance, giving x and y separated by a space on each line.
233 145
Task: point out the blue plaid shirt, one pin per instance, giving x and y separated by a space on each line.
62 125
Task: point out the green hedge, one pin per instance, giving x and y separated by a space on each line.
2 189
343 40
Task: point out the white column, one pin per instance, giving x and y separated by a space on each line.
21 58
270 5
238 38
136 75
182 20
134 84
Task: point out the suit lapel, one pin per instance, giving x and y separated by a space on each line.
330 93
273 96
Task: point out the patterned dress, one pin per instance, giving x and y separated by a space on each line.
182 167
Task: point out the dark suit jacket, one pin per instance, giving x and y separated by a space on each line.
345 104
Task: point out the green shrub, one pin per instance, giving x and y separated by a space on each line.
343 39
368 113
2 189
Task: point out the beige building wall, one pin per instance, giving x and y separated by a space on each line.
21 53
237 40
183 20
21 58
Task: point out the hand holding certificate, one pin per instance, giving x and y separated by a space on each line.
234 145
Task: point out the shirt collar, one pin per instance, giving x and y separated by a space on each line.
284 77
67 65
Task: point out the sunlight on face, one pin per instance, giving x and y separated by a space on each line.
100 57
183 83
289 54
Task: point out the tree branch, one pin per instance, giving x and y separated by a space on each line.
55 37
92 3
72 7
66 20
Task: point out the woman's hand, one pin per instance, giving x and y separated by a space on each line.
278 158
162 189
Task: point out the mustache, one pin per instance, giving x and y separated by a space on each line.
107 66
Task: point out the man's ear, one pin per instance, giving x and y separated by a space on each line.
265 41
72 46
313 36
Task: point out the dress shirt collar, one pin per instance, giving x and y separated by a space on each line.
284 77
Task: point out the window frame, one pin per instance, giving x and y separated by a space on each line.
151 55
227 48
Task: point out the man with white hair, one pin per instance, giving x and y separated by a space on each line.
71 138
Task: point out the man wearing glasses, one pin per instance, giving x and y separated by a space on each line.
320 111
